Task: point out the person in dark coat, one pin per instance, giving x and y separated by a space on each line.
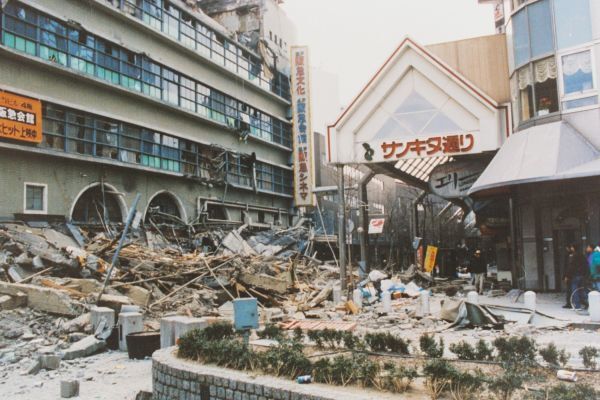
576 276
478 270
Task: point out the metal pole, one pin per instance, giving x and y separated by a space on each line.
342 228
363 220
513 241
115 258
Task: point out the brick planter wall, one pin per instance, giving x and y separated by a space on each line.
177 379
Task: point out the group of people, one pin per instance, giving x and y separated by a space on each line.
582 275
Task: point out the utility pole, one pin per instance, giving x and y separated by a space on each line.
342 227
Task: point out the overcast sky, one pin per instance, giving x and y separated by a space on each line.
352 38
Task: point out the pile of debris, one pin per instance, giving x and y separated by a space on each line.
60 271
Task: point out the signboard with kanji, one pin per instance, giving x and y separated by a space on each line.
453 180
20 118
430 257
302 129
376 226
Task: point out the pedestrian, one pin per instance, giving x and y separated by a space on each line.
594 264
575 276
478 270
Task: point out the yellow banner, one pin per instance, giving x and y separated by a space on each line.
20 118
430 257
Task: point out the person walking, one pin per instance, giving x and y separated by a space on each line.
594 263
576 275
478 270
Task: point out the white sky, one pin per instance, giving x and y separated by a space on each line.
352 38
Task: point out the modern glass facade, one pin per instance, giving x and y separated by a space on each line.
27 30
551 58
82 133
163 16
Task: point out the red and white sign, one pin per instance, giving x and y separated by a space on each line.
376 226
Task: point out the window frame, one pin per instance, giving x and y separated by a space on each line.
44 186
580 95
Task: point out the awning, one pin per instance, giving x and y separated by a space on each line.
543 153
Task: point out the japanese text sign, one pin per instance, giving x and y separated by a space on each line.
20 118
430 257
376 226
303 135
454 179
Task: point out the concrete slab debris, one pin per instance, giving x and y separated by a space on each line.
69 388
41 298
84 348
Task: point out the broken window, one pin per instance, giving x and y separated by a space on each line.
161 207
215 211
97 205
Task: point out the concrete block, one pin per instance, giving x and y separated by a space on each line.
42 298
167 331
138 295
114 301
186 324
129 322
11 302
33 368
85 347
50 361
69 389
130 308
98 313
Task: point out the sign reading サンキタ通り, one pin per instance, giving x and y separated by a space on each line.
20 118
303 166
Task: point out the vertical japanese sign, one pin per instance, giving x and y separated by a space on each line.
303 135
20 118
430 257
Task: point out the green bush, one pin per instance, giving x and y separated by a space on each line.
432 349
220 330
589 354
287 360
465 351
571 392
396 379
503 387
271 331
438 375
387 343
345 370
516 351
553 356
465 385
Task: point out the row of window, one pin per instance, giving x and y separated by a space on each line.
27 30
545 83
87 134
162 15
545 26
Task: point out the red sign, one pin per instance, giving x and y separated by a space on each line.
434 146
376 226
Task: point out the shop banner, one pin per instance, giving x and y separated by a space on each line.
376 226
20 118
430 257
302 131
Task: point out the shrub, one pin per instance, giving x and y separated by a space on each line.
503 387
465 351
438 375
553 357
566 392
287 360
386 342
432 349
396 379
465 386
589 354
271 331
516 351
220 330
298 335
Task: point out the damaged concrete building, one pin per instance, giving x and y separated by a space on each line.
104 99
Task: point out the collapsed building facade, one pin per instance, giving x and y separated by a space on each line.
139 96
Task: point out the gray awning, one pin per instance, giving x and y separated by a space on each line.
542 153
